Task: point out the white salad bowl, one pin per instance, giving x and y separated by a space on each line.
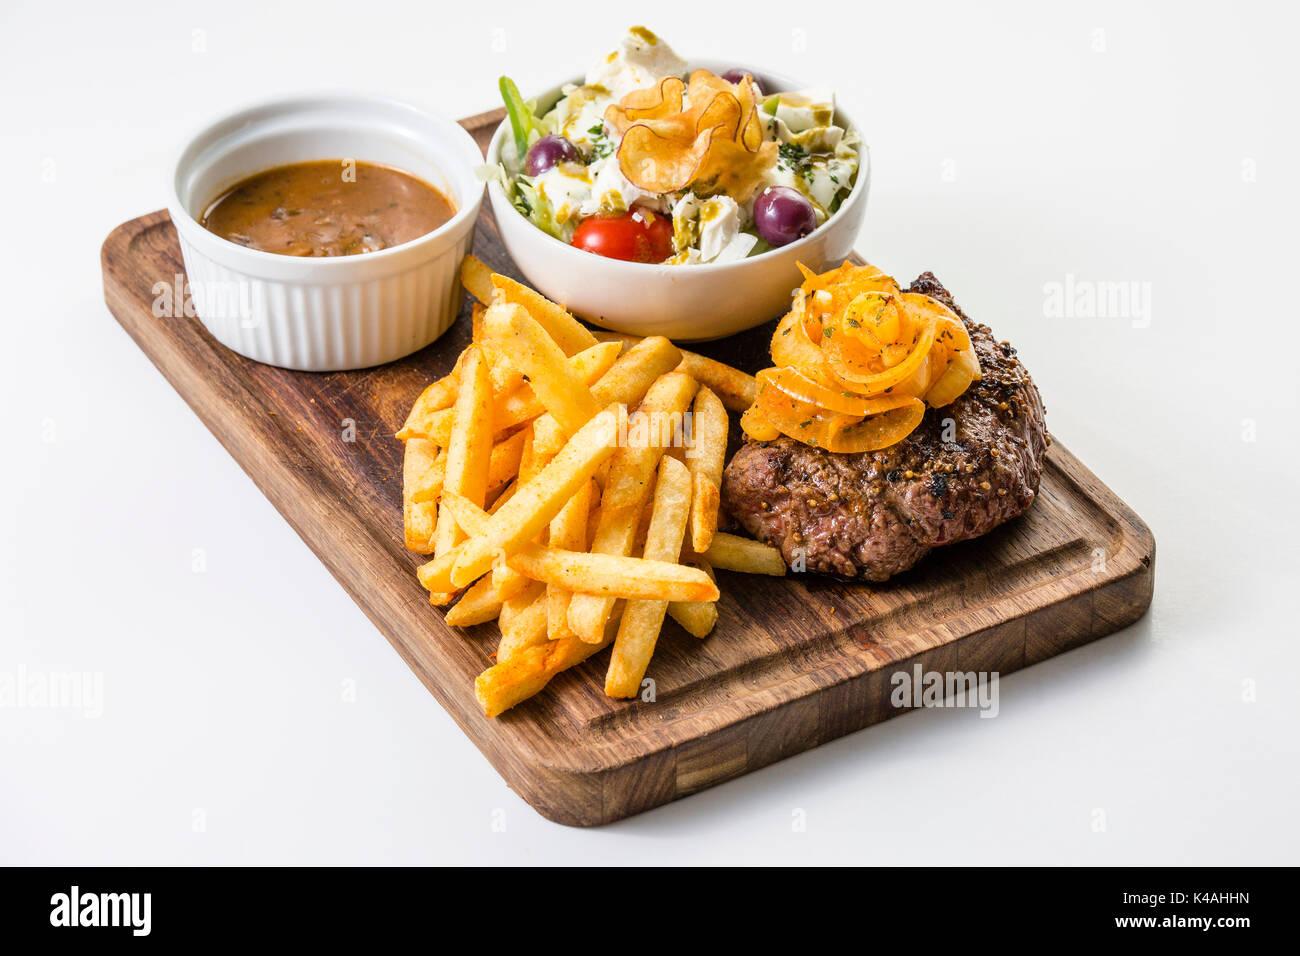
326 314
684 302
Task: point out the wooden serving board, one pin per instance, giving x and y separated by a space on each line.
793 661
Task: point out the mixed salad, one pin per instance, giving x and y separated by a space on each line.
646 163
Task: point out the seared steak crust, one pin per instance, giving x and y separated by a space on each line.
966 468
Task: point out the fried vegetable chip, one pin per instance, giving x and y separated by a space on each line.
705 134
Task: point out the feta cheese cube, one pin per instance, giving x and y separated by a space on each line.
641 60
566 189
709 225
805 109
612 193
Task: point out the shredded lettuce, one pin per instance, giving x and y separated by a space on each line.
535 207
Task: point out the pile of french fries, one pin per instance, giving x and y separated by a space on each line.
567 486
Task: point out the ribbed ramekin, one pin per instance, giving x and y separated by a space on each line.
326 314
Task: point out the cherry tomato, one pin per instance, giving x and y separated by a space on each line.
635 236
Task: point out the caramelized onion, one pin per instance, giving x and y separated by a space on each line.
857 361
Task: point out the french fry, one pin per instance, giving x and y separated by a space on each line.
643 523
487 288
567 332
631 472
626 383
429 487
639 630
476 312
435 575
517 406
434 427
523 404
734 553
470 517
502 467
505 377
523 621
469 450
438 396
507 583
502 497
533 506
478 605
705 502
605 335
504 463
705 459
507 683
419 519
637 368
735 388
530 464
506 579
615 576
568 531
534 352
476 277
697 618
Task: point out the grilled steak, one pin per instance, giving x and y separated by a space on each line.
968 467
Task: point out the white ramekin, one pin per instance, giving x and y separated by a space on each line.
685 303
326 314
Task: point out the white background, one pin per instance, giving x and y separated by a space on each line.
1013 145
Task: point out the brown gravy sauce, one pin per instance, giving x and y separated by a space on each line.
328 207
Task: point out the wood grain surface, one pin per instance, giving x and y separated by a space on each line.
794 662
